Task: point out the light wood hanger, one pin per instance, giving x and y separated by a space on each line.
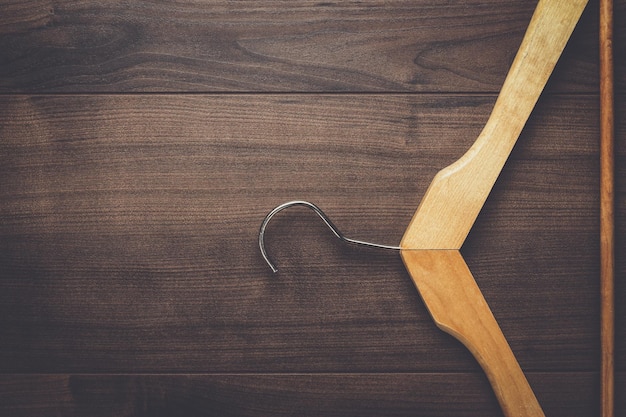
431 243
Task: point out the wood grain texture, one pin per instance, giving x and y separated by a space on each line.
200 46
325 395
129 242
130 280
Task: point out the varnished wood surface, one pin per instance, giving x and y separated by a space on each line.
91 46
130 279
133 237
340 395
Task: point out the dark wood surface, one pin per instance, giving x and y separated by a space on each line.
142 143
200 46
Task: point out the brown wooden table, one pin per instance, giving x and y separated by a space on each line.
142 143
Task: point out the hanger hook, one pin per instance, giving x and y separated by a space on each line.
322 216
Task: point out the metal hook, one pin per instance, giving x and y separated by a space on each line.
326 220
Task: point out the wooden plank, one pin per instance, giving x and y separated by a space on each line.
199 46
563 394
128 230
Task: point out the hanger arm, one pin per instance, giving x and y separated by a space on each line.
457 306
458 192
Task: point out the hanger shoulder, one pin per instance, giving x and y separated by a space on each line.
458 192
458 307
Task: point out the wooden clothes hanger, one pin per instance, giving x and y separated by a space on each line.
431 243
